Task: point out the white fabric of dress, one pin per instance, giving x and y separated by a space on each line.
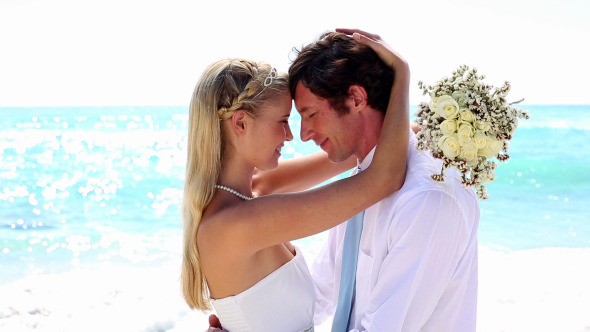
282 301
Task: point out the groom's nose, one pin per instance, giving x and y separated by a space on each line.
306 131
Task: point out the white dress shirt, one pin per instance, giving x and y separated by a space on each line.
417 265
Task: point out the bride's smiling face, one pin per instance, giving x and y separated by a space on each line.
268 132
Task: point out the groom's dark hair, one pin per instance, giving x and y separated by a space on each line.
334 62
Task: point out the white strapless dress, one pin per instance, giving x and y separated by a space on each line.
281 302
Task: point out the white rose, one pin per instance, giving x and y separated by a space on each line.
492 148
448 127
466 115
445 106
433 107
460 97
469 152
480 139
449 146
465 132
484 126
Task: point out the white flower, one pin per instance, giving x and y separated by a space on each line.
492 148
432 105
483 126
469 152
460 97
448 127
480 139
449 146
445 106
465 132
466 115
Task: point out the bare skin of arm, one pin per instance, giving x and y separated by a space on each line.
275 219
235 234
302 173
298 174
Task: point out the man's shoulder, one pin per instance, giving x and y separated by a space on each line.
419 183
421 167
425 201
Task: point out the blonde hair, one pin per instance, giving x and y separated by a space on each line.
224 87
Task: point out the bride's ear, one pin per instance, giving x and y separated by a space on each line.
239 121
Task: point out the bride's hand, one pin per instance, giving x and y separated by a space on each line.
214 324
391 152
385 52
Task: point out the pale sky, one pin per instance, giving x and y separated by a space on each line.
152 52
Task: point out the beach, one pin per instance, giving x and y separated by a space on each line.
529 290
534 290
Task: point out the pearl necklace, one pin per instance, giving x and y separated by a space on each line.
230 190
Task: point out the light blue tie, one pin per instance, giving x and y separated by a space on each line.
352 239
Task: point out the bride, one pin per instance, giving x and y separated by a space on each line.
237 256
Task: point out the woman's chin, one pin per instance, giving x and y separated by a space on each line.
269 166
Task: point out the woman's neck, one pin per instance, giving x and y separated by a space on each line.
237 175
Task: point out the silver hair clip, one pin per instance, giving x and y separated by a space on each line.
267 81
272 75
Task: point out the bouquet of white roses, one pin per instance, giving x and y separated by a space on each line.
467 123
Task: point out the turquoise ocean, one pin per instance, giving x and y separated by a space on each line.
80 185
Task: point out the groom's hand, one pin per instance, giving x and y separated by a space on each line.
214 324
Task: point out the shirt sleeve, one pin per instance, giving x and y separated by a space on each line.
322 271
429 239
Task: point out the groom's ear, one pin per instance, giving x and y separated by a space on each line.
239 121
358 96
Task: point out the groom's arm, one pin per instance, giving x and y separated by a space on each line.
431 239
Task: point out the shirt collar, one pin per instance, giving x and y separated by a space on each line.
362 165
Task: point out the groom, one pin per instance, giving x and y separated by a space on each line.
416 264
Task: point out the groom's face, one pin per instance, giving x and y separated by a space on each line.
336 134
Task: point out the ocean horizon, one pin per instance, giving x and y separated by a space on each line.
91 231
84 184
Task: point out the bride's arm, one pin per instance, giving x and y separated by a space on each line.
273 219
298 174
302 173
393 141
